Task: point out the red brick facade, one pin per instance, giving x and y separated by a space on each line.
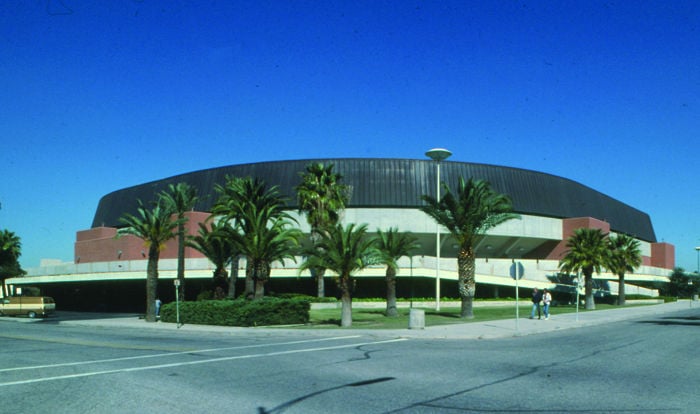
100 244
662 254
568 228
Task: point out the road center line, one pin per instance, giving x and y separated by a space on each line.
207 361
99 361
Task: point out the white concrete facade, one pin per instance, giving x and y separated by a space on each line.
496 251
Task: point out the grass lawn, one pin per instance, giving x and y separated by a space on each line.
364 318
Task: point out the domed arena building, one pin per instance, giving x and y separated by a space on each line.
109 272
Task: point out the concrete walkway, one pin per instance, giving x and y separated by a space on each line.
471 330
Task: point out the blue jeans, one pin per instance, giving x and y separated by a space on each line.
546 310
535 306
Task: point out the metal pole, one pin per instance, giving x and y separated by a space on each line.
697 272
437 243
437 155
411 258
578 289
517 298
177 301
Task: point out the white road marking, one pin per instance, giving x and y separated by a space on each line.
207 361
194 351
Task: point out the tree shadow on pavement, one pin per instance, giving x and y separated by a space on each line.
670 320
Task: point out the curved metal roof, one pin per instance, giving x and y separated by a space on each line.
399 183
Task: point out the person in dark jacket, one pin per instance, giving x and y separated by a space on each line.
536 299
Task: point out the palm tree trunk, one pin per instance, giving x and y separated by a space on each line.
152 283
259 289
346 300
590 301
181 260
466 281
249 281
318 273
621 290
261 276
391 292
233 279
320 283
220 285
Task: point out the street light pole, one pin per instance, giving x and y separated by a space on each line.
437 155
697 273
517 295
411 258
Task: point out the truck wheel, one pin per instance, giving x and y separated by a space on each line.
32 315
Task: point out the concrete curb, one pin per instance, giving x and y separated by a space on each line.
472 330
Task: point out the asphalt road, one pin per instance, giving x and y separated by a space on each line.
635 366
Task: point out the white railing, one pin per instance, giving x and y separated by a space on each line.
534 273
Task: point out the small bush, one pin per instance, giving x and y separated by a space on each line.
312 299
239 312
636 296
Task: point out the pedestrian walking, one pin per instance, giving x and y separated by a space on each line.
536 299
158 303
546 300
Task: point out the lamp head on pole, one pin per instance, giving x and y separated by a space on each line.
438 154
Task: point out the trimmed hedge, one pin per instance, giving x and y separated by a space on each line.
239 312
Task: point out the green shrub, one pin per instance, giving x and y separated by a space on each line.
330 299
636 296
301 296
205 295
239 312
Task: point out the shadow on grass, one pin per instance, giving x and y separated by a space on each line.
364 318
377 319
449 315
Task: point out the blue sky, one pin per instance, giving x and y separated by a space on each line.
98 96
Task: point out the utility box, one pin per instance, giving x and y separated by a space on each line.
416 319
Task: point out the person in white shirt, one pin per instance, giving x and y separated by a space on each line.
546 300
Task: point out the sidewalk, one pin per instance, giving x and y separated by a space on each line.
509 328
472 330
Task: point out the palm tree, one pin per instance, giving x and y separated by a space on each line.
587 250
234 195
623 256
474 210
393 245
10 251
215 242
154 227
180 198
262 223
343 251
321 197
267 238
